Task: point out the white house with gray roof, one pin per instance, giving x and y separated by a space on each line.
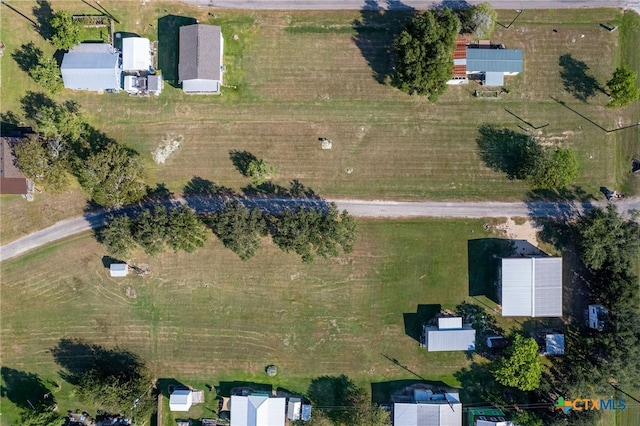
531 287
92 66
490 64
200 65
449 335
428 408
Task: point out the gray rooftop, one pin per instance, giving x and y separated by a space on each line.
532 287
463 339
200 52
495 60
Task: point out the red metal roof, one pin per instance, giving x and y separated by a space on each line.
460 51
459 70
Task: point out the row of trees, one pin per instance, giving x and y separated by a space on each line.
66 144
154 230
306 232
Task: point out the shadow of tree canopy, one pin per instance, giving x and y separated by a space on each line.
77 357
33 101
158 193
27 56
241 161
575 78
43 12
382 392
375 32
9 122
25 390
296 189
507 151
336 393
168 45
199 187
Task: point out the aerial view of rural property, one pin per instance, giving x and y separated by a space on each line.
319 213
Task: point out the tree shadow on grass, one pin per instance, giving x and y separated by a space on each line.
76 357
375 32
25 390
336 393
168 45
27 56
575 78
507 151
413 321
43 12
383 392
241 160
484 259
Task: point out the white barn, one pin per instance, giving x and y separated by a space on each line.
531 287
91 66
118 270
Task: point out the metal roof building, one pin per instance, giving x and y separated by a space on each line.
429 409
554 344
495 60
257 410
531 287
12 181
91 66
449 335
200 65
118 269
136 54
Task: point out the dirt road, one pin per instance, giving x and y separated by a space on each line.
358 208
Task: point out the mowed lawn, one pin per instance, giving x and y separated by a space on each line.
301 75
209 317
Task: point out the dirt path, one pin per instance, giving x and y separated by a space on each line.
358 208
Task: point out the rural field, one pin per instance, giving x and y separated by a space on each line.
209 318
299 76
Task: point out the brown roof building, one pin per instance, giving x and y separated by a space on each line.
11 180
200 65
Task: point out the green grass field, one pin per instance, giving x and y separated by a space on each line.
209 318
304 75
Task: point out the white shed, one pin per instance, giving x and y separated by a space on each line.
294 408
136 54
181 400
118 269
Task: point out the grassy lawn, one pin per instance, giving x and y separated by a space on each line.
210 318
304 75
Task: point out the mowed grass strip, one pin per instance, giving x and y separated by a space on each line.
209 316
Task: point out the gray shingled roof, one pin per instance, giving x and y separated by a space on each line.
200 53
495 60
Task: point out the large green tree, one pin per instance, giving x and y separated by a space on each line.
424 51
41 417
520 366
482 20
150 229
47 74
310 232
185 230
556 168
608 241
117 236
36 163
65 31
239 228
623 87
260 171
112 175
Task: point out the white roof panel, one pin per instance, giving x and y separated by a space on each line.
136 54
450 340
450 323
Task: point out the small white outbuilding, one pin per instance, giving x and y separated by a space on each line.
136 54
181 400
118 270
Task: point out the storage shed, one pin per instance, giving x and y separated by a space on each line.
91 66
136 54
449 335
118 270
180 400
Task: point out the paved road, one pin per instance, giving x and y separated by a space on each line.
358 208
405 4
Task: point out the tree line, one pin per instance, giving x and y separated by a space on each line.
308 232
